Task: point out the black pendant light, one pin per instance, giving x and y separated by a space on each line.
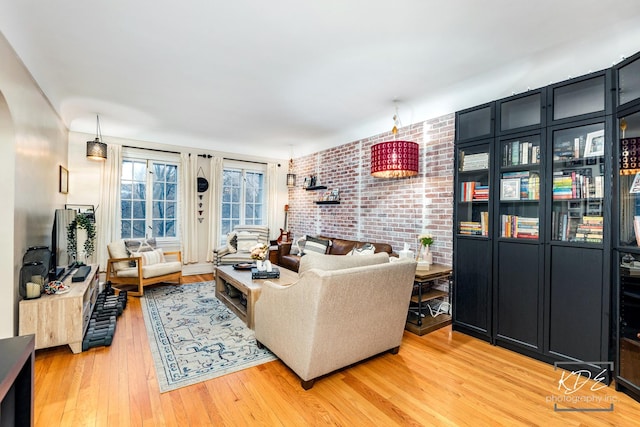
96 149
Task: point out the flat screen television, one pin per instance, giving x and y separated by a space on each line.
61 259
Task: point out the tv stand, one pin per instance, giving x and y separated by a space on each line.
61 319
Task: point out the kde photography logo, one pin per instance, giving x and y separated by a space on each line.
582 389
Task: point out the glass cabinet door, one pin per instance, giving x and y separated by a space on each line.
473 199
474 123
629 81
629 184
519 203
578 184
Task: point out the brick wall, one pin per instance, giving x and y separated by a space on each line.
388 210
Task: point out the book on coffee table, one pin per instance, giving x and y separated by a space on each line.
257 274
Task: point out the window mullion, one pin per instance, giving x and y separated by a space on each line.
149 201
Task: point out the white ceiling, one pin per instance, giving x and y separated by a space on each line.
286 75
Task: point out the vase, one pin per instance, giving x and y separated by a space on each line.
427 256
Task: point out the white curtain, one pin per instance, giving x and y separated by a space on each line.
272 199
188 202
108 211
216 168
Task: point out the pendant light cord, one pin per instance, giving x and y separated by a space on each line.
98 131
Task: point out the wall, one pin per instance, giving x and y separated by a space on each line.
85 177
391 210
33 144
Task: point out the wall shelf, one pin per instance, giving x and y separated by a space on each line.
316 187
327 202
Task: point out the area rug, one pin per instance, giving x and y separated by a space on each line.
194 337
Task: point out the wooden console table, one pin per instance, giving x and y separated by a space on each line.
61 319
419 319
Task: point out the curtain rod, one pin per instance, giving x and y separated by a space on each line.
151 149
245 161
208 156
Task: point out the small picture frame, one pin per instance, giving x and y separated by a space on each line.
595 144
64 180
510 189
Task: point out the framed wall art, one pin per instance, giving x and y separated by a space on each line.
64 180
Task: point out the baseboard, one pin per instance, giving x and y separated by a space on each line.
201 268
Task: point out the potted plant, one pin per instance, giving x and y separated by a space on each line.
84 227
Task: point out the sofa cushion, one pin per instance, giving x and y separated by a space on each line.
154 270
246 241
314 244
339 262
118 249
155 256
366 249
232 242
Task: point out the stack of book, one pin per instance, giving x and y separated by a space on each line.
568 149
472 162
481 192
519 227
590 229
473 191
475 228
264 274
577 184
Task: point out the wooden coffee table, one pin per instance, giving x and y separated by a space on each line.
247 287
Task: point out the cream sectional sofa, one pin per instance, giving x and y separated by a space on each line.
341 310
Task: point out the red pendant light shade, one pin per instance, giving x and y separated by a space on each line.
394 159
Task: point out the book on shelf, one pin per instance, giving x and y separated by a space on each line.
470 228
517 153
529 183
577 184
471 162
473 191
564 226
590 230
519 227
475 228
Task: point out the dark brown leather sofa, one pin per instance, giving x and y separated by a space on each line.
337 247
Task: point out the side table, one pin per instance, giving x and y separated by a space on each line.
419 319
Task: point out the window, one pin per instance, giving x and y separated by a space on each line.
243 197
149 198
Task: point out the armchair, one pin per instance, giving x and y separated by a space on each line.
342 309
239 244
142 268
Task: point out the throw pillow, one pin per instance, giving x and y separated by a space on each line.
136 246
316 245
246 241
366 249
298 247
232 242
155 256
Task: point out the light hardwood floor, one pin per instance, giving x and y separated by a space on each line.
444 378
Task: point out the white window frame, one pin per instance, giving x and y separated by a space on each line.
151 157
244 167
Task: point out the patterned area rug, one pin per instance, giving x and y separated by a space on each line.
194 337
